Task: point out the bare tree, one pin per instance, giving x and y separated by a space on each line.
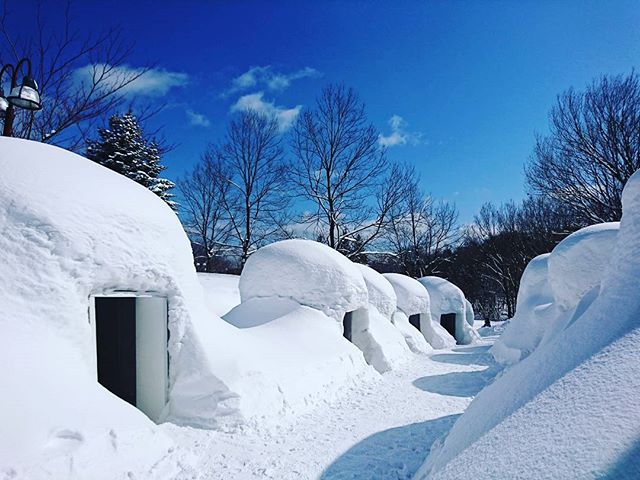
81 79
255 202
592 149
202 192
341 169
420 232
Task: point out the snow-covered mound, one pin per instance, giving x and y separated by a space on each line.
71 229
381 342
448 298
221 291
571 409
307 272
555 287
469 314
413 299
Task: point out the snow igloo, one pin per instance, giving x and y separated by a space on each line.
413 315
555 288
449 306
105 330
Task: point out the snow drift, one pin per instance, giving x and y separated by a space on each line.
221 291
448 298
571 409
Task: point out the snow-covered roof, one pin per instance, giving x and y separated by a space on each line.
381 292
308 272
571 409
413 298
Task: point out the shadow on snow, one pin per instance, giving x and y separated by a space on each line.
396 453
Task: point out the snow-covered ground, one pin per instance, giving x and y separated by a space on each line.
382 428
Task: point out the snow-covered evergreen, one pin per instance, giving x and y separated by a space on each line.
123 148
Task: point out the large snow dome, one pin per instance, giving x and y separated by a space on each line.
447 299
308 272
571 409
73 235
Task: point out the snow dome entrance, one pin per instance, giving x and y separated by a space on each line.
354 323
415 320
448 321
131 348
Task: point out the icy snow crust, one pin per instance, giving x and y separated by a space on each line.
571 409
448 298
308 273
71 228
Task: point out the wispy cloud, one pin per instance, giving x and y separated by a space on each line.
155 82
197 119
255 101
267 77
399 134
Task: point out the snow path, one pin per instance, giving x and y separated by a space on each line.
382 429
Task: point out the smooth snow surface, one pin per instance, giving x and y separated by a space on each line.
469 314
448 298
380 429
221 291
310 273
571 409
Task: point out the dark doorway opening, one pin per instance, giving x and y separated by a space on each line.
448 321
415 320
347 326
116 345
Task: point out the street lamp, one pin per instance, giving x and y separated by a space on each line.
25 96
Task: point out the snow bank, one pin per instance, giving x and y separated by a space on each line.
381 342
554 287
413 299
69 229
448 298
307 272
571 409
534 313
221 291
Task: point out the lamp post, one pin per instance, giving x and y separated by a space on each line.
24 96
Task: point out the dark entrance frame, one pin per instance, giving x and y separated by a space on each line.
448 321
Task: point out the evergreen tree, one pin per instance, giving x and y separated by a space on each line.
123 148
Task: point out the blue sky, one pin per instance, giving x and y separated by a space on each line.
467 84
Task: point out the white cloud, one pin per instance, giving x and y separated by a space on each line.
267 77
155 82
399 135
197 119
255 101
